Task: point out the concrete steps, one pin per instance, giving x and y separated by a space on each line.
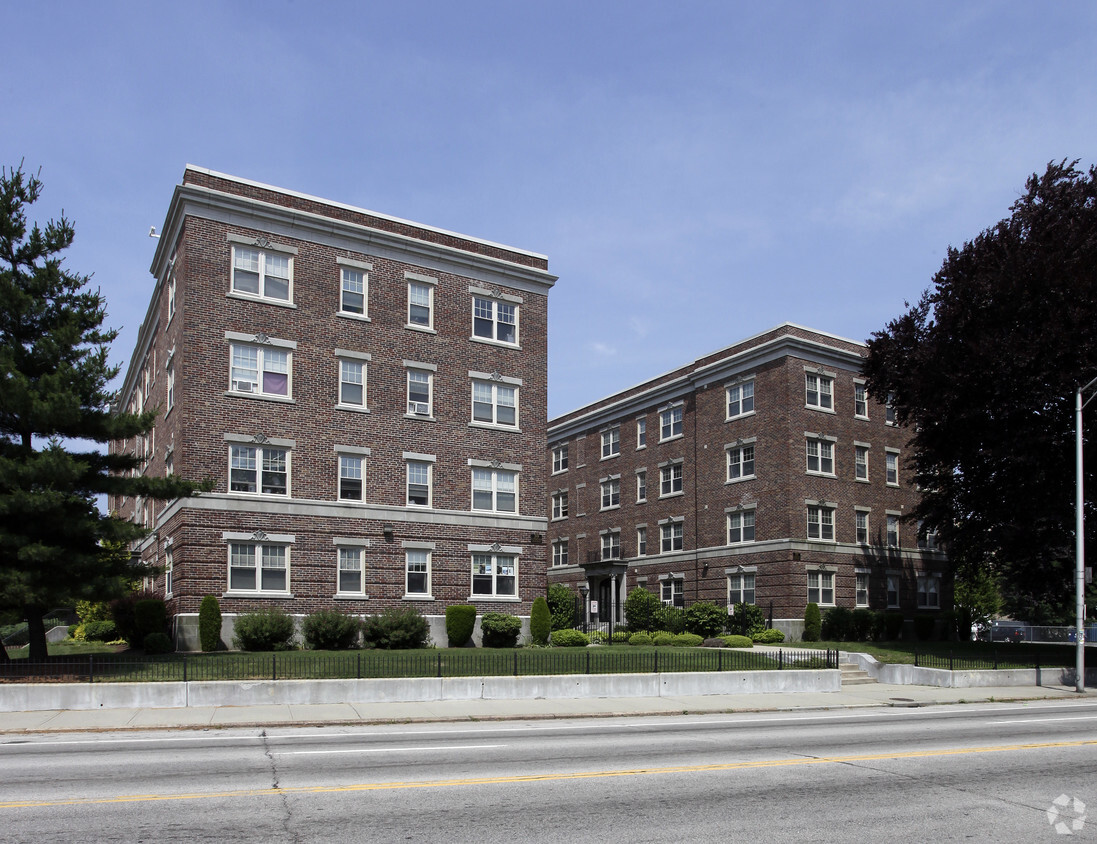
854 675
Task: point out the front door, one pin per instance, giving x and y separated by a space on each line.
605 600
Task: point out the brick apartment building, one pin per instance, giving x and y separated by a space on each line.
760 473
368 396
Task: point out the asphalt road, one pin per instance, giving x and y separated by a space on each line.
987 772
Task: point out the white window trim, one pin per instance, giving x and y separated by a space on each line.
260 343
490 551
641 423
888 451
365 268
287 252
642 472
602 484
868 463
606 438
259 539
740 511
867 574
671 466
867 513
821 573
830 506
428 549
430 283
364 359
821 375
810 437
561 452
742 572
739 445
495 469
428 459
859 382
494 381
342 451
496 299
681 408
429 369
560 542
346 544
261 445
738 383
558 497
888 516
921 581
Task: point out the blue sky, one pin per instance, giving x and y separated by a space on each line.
696 172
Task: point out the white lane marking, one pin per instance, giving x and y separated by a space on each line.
1043 720
391 749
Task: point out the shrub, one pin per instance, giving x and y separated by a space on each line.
687 640
662 637
500 630
893 626
395 629
813 623
329 630
641 609
568 638
157 643
209 624
540 621
837 624
769 637
460 622
150 616
641 638
100 631
862 625
123 613
264 630
562 604
619 637
924 626
746 620
597 637
670 619
735 641
706 619
93 611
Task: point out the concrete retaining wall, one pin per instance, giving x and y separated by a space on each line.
897 674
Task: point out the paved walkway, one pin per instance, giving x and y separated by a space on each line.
853 696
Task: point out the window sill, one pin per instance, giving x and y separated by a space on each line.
609 457
492 427
498 343
641 447
511 599
416 597
671 438
740 480
353 408
350 596
420 417
243 594
350 500
671 495
260 397
422 328
863 419
740 416
559 519
820 474
270 496
610 507
353 316
560 472
861 480
892 485
247 297
641 501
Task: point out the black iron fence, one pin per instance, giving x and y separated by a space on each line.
992 661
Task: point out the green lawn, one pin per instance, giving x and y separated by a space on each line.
966 655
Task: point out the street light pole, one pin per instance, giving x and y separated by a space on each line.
1079 545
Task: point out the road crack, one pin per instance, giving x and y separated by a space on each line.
287 811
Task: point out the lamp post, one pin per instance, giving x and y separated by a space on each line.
1080 543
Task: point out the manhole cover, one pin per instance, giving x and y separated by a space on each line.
903 699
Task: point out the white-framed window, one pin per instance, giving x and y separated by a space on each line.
927 540
893 531
740 399
860 462
642 541
820 457
420 392
740 462
893 590
641 433
611 493
261 273
352 383
672 591
495 490
861 586
560 459
670 480
670 423
860 400
820 522
170 386
494 575
889 410
819 391
929 592
611 545
495 320
560 505
171 296
494 404
420 305
354 291
352 477
560 552
740 527
641 486
611 442
169 571
741 588
351 578
259 469
821 588
169 463
417 567
862 526
891 463
419 483
260 370
671 537
258 567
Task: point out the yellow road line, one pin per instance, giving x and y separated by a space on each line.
525 778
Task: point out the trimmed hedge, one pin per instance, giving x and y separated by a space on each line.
620 637
642 609
813 622
663 637
706 619
157 643
562 604
209 624
264 630
641 638
100 631
330 630
837 625
569 639
395 629
460 623
500 630
687 640
736 641
540 621
769 637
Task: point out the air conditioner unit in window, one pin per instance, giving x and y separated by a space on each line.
419 408
243 386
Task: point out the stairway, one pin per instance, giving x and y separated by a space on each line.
854 675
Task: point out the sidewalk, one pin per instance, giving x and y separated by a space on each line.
216 717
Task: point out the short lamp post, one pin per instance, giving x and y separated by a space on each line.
1080 541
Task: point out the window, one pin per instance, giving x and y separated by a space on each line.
169 572
892 468
560 552
889 410
862 588
860 462
171 296
417 563
493 320
820 587
495 490
670 423
420 305
351 577
641 487
351 476
740 589
670 537
740 399
494 575
258 469
611 442
641 541
261 370
893 590
353 291
352 383
560 505
862 527
740 462
820 455
256 272
893 531
560 459
670 480
740 527
170 387
641 433
611 493
820 392
419 483
494 404
169 464
672 591
927 539
420 384
821 523
611 545
258 568
929 592
860 400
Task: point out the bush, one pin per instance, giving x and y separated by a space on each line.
924 627
209 624
92 611
670 619
329 630
662 638
769 637
706 619
746 620
735 641
893 626
641 638
100 631
540 621
264 630
151 616
597 637
123 612
619 637
687 640
460 622
837 625
641 609
568 638
562 604
813 622
395 629
157 643
500 630
862 625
